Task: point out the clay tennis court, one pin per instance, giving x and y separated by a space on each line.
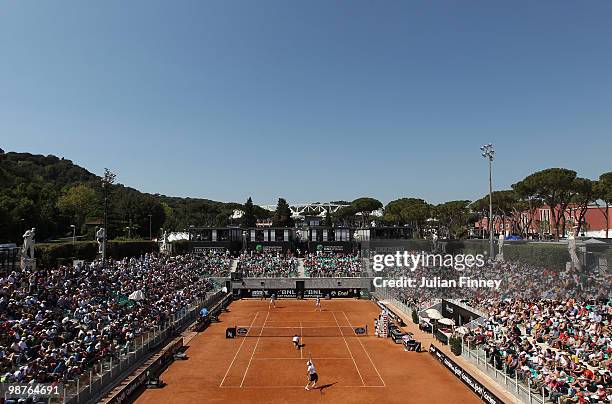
266 367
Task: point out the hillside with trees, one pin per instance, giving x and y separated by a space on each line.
52 193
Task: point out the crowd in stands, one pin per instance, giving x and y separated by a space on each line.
551 329
518 281
560 347
267 264
324 264
56 323
213 263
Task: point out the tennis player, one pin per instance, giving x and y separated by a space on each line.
318 304
311 373
272 300
296 341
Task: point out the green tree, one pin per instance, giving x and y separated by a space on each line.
393 211
585 192
417 214
328 219
452 218
411 211
345 216
526 206
503 202
282 215
78 203
248 218
365 207
555 186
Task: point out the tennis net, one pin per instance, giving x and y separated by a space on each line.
331 331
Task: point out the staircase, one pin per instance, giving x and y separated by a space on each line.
301 270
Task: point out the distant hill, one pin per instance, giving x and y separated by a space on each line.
52 193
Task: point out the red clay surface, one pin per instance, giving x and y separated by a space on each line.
270 370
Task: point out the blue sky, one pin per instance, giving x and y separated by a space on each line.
313 101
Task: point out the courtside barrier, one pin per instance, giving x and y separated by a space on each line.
471 382
125 395
167 356
109 372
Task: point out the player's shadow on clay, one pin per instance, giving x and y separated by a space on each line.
325 386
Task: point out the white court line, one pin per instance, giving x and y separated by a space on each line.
366 352
271 327
332 322
295 387
297 359
301 341
349 349
236 355
254 349
299 311
270 338
317 321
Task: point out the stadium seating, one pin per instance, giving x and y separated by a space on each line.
55 324
332 265
265 264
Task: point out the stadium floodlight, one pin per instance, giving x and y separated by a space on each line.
489 154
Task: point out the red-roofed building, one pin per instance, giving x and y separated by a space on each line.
594 223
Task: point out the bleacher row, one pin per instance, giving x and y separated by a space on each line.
56 324
550 329
271 264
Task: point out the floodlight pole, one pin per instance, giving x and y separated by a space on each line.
489 153
491 249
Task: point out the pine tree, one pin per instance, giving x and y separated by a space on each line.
248 219
328 220
282 215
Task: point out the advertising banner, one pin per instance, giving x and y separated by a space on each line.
481 391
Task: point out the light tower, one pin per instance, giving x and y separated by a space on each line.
489 154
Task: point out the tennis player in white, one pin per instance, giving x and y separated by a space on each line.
311 372
272 300
318 304
296 341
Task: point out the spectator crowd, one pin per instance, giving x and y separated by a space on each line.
322 264
562 348
267 264
55 324
214 263
549 328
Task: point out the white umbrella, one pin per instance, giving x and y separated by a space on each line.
433 314
136 295
447 321
462 330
